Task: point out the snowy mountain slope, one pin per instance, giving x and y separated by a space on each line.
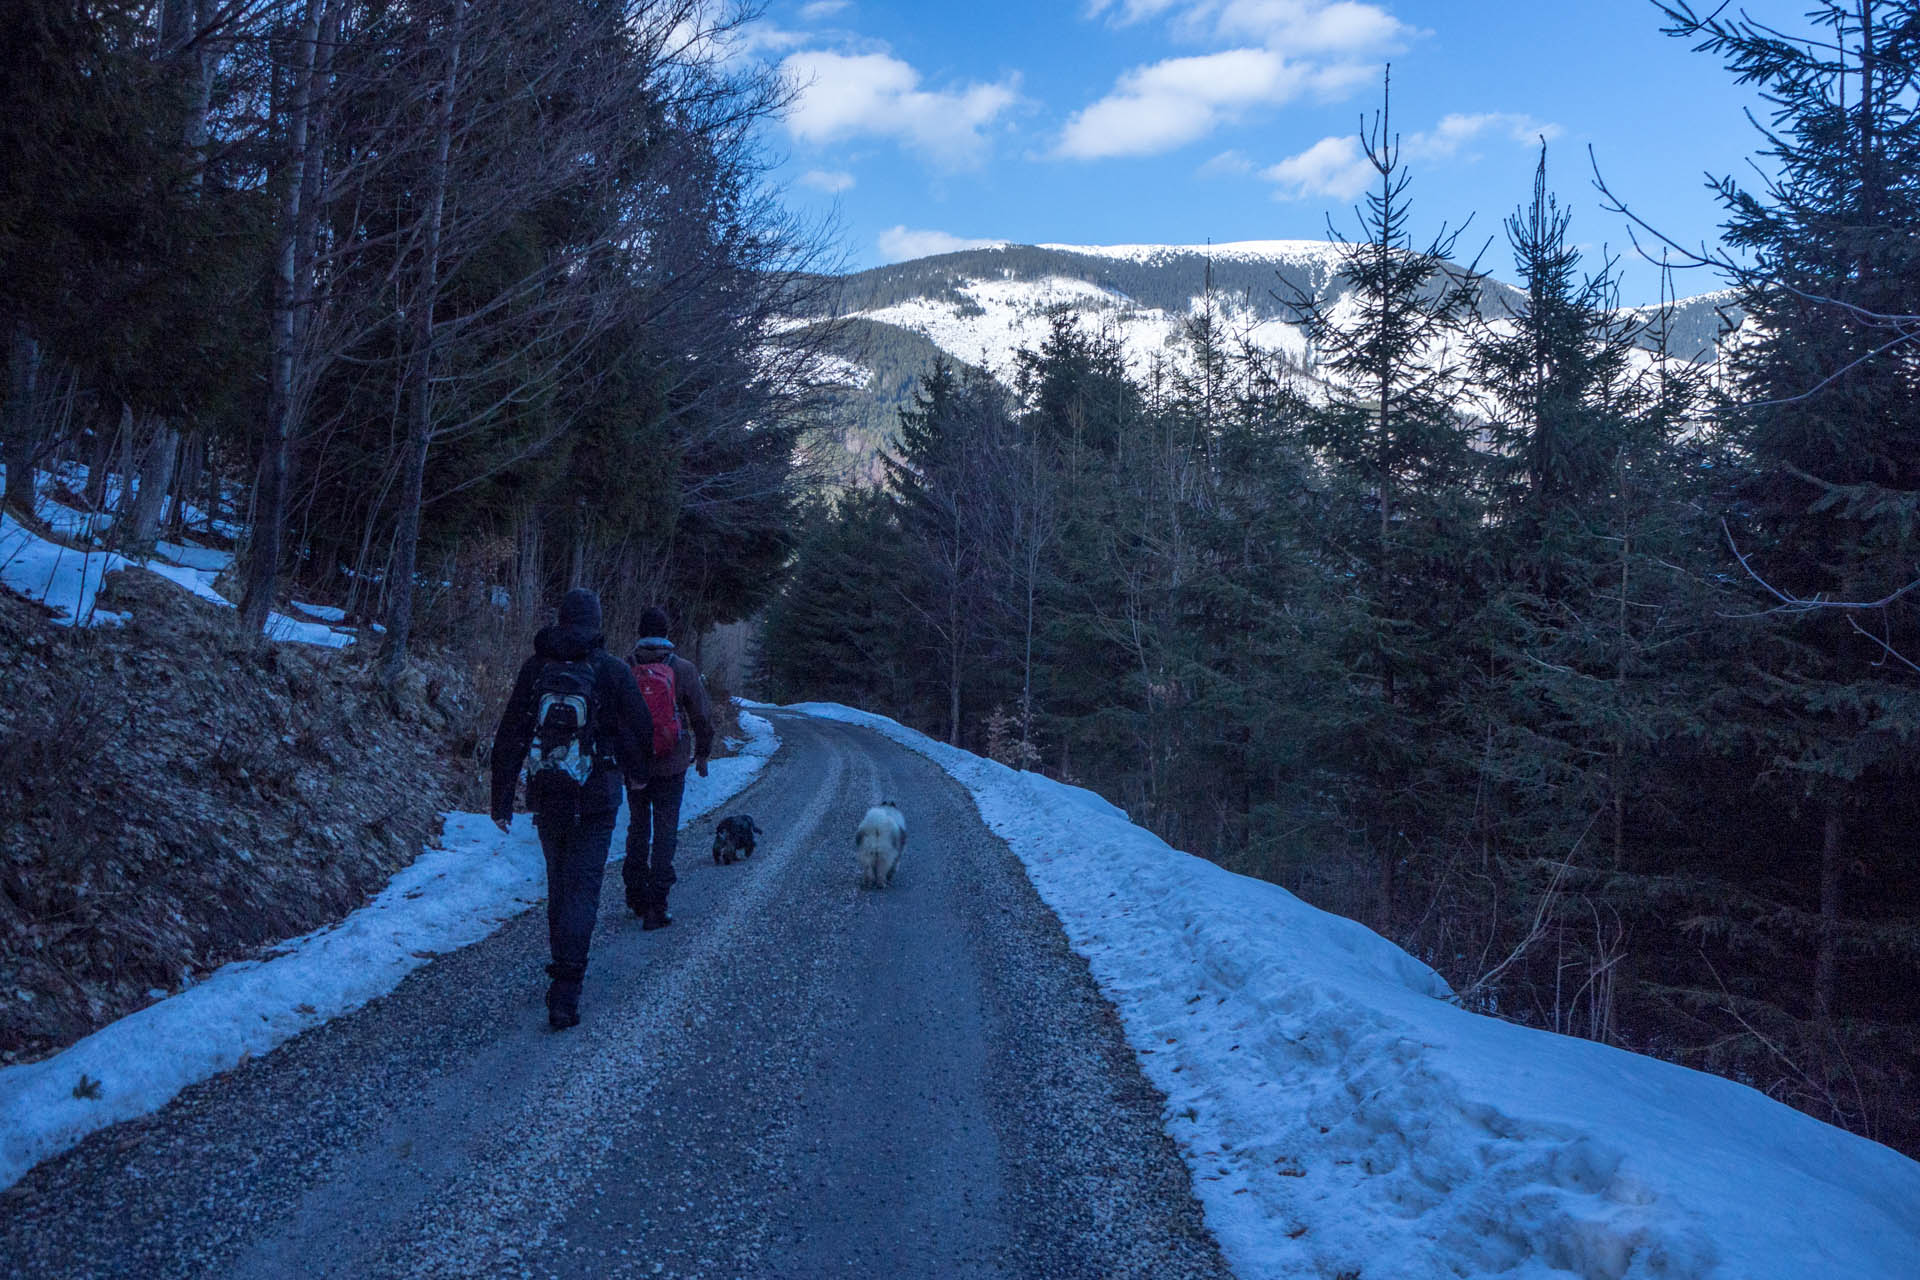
1342 1117
981 306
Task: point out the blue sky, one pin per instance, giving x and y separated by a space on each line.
932 125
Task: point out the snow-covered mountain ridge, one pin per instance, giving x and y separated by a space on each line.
982 306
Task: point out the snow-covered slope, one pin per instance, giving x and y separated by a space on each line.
1342 1117
1312 254
982 306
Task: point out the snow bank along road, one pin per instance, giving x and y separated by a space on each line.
800 1078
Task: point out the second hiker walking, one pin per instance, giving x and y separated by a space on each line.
682 735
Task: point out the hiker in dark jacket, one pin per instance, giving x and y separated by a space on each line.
653 823
574 837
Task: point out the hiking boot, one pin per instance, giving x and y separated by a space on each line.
638 904
563 996
656 918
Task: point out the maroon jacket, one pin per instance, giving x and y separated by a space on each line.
696 712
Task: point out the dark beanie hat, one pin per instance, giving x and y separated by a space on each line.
580 608
654 621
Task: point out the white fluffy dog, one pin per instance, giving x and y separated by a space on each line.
880 838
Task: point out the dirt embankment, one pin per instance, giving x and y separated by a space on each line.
174 795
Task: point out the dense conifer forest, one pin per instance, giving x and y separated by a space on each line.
1586 674
423 302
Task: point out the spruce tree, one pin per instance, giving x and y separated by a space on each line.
1401 461
1823 404
835 631
949 444
1578 660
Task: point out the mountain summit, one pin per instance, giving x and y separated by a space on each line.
981 306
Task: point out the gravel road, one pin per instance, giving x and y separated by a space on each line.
799 1078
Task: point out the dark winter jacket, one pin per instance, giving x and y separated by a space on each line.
622 732
696 711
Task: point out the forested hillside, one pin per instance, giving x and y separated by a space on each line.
435 308
417 314
980 306
883 364
1587 678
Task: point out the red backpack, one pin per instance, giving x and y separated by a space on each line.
663 703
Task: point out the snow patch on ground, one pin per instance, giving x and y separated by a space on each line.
451 896
61 578
837 371
67 580
1341 1116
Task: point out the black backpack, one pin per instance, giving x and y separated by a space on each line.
565 710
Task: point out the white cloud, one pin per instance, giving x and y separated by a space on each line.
897 244
875 94
1455 131
1335 80
1296 28
707 32
1331 167
1164 105
1283 49
821 9
1227 164
1299 27
831 181
1131 11
1335 167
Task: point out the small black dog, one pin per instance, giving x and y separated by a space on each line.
733 839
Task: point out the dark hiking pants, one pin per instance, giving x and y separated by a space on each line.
653 832
576 855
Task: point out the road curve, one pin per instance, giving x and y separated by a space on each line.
800 1078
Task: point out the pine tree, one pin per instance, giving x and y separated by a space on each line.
1824 407
836 632
1578 659
1402 466
949 453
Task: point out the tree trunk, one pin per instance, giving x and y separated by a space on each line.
211 477
23 437
393 659
156 477
577 573
266 545
402 567
526 585
1826 962
1387 888
1619 781
953 672
184 24
98 460
122 498
193 454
